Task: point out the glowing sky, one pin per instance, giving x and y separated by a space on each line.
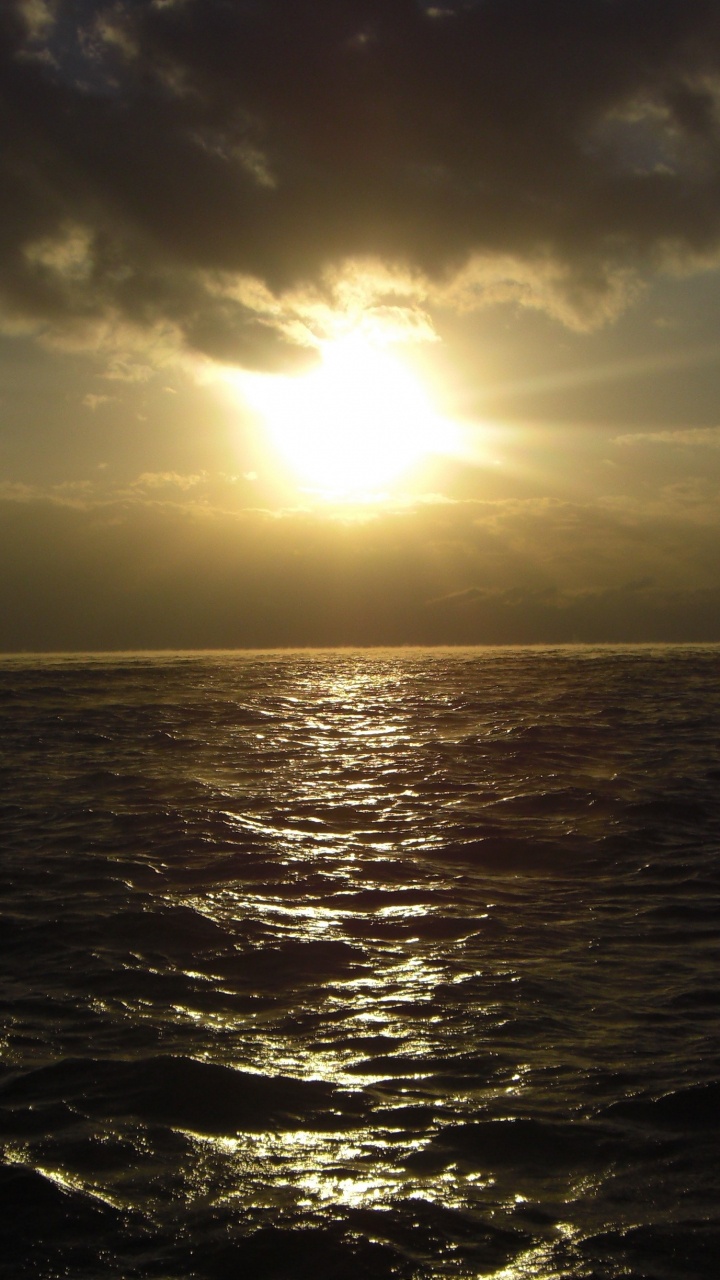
359 321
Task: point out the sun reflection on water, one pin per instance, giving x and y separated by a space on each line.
345 947
342 942
315 1169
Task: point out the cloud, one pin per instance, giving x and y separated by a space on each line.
684 437
630 613
538 150
192 561
92 401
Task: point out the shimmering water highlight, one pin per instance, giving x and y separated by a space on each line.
361 964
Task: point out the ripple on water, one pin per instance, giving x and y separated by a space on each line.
374 964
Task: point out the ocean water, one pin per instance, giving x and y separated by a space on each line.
342 965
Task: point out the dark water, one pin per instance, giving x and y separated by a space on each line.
342 965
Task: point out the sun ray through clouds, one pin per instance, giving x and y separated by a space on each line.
352 426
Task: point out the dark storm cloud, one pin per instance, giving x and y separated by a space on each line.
184 139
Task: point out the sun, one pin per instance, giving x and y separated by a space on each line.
352 426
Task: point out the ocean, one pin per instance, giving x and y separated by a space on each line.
349 965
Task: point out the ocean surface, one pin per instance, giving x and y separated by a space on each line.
346 965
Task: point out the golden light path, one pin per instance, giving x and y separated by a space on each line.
352 426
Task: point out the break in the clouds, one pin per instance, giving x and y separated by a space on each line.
195 171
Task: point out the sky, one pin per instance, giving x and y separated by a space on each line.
331 322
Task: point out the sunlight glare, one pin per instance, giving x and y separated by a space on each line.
353 425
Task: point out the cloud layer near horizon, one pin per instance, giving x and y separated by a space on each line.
189 169
155 568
